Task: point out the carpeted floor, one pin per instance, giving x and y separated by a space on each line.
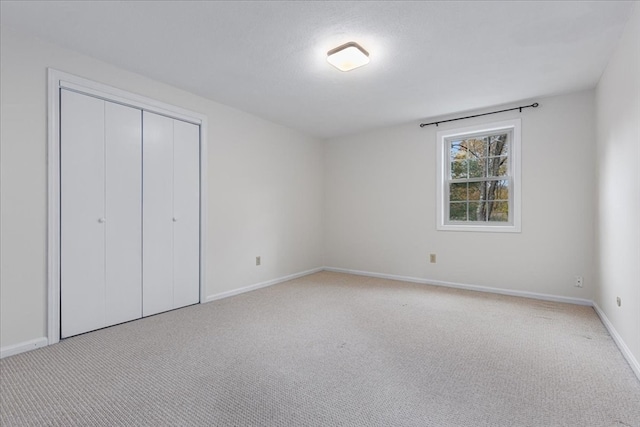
332 349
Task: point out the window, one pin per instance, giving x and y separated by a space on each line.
479 178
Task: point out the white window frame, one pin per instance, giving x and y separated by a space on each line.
514 173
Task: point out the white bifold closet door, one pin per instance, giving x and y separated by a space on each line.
100 213
171 213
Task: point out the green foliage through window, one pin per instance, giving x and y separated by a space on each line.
479 181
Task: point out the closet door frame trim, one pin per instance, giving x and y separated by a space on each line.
61 80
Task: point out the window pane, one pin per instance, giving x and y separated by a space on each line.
497 166
498 145
475 211
477 167
475 190
499 211
459 169
458 192
501 191
477 147
457 150
458 211
496 190
455 146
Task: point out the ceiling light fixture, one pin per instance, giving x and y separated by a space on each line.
348 56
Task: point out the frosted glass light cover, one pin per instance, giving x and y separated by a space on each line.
348 56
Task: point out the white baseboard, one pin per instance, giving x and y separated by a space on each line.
250 288
525 294
10 350
633 362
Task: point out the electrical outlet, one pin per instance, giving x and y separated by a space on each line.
578 282
619 301
432 258
258 261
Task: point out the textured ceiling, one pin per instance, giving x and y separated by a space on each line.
268 58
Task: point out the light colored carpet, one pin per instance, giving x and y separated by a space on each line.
333 350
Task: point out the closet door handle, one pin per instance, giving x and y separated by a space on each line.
102 220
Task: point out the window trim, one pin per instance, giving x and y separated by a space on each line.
442 157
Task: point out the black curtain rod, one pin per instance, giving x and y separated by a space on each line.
534 105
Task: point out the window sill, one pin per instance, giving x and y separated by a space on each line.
480 228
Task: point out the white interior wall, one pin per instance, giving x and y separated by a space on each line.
380 205
264 185
618 186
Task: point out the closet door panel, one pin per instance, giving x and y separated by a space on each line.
157 213
186 207
82 209
123 140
